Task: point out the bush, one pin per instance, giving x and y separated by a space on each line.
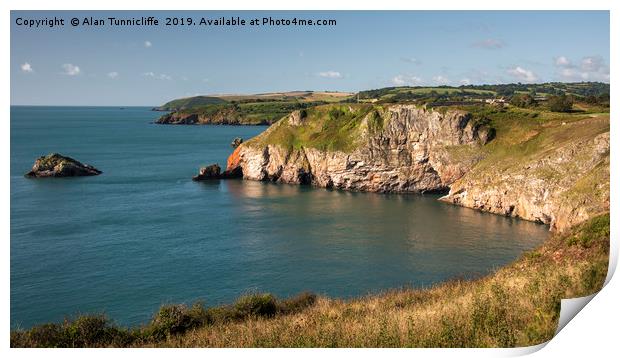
99 331
47 335
257 305
175 319
84 331
296 304
522 100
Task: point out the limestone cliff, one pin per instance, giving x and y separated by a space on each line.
562 184
223 115
550 170
399 148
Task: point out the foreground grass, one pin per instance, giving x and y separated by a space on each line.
516 306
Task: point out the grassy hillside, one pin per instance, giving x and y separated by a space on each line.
518 305
328 127
258 109
190 102
342 127
267 108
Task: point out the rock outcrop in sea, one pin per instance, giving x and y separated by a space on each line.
236 142
56 165
409 149
214 171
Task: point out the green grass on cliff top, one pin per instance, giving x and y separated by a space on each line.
190 102
527 134
522 135
336 127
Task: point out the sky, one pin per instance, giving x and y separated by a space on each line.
140 65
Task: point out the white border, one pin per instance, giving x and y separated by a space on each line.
593 331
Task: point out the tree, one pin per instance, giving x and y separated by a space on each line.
561 103
522 100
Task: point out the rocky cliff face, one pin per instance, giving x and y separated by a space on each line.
554 172
227 116
409 153
562 186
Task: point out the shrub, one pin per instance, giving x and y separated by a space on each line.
256 305
47 335
175 319
84 331
88 330
99 331
296 304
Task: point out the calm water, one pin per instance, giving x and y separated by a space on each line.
142 233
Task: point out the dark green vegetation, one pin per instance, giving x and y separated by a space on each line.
189 102
521 95
518 305
561 103
170 320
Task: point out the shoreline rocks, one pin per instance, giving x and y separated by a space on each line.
209 172
214 171
225 116
57 165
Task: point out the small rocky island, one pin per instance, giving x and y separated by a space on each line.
57 165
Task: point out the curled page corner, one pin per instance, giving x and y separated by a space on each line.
569 309
522 351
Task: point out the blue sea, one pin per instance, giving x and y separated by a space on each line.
143 234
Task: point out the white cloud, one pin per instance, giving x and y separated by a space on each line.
148 44
70 69
26 67
591 64
465 81
591 68
441 80
562 61
158 76
113 74
330 74
490 44
522 74
406 80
